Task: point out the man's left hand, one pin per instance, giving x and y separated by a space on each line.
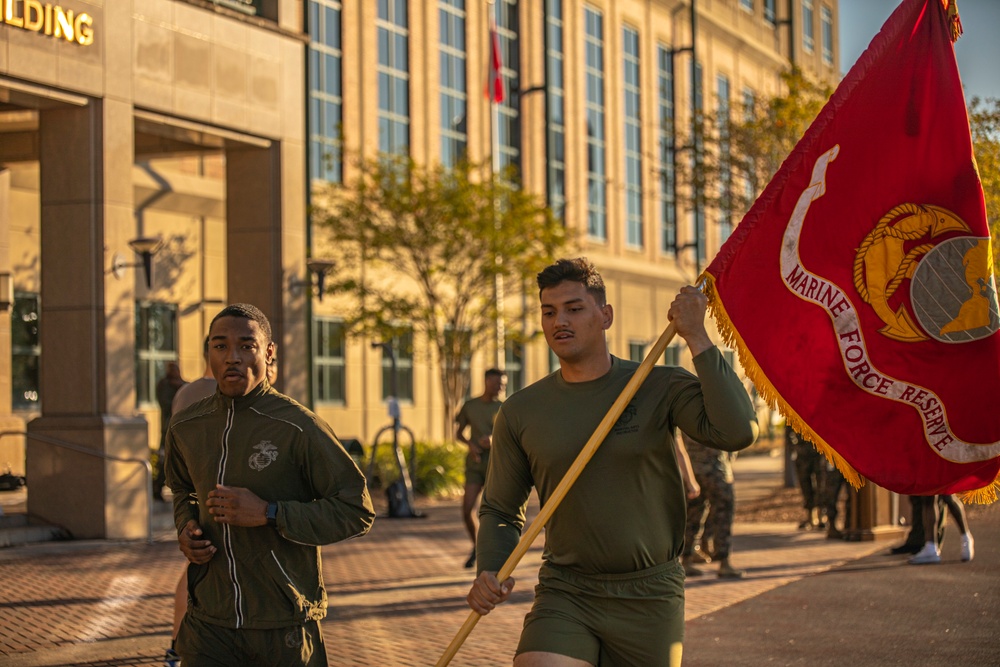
236 506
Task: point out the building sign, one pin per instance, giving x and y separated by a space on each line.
49 19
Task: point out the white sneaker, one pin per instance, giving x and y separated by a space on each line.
968 547
929 554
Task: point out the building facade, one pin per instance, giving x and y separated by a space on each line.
171 126
196 131
598 96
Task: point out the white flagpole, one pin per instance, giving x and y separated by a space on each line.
501 337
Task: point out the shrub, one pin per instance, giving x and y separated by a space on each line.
439 470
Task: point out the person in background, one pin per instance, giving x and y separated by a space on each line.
933 519
810 469
260 483
476 416
713 470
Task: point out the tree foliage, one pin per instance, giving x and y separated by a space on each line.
984 121
423 247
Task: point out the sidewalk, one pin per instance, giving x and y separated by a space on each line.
397 597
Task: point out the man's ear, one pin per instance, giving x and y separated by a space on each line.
269 353
609 315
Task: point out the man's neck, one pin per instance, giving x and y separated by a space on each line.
587 369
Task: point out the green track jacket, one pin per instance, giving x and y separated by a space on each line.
260 577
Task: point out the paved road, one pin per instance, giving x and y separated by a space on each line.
397 599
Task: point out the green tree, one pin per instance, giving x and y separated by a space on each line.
984 121
763 135
426 247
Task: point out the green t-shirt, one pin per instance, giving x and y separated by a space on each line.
626 511
478 415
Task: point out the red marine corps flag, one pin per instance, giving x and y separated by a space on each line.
859 289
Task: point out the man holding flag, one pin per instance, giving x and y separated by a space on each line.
611 589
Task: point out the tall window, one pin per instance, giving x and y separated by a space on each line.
747 5
665 138
325 90
454 96
725 159
698 213
393 77
636 351
402 349
597 199
750 182
329 378
808 40
25 351
508 30
633 139
555 108
826 25
770 13
514 366
155 346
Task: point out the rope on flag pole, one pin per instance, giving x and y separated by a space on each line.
567 481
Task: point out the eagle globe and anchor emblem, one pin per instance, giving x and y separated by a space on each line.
953 292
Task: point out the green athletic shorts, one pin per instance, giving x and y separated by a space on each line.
202 644
475 472
620 620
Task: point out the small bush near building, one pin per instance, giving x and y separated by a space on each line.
439 473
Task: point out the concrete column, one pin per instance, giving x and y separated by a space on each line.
873 515
11 447
87 328
266 244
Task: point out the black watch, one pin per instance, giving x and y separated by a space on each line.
271 514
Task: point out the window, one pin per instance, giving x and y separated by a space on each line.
770 12
393 77
155 346
514 366
808 41
554 103
554 364
325 90
509 128
665 120
826 23
633 139
329 376
747 5
672 355
725 159
636 351
597 207
25 351
454 129
730 358
749 183
402 352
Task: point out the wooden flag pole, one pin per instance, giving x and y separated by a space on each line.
567 481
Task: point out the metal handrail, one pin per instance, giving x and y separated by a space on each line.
107 457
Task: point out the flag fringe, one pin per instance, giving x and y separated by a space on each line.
954 20
987 495
767 391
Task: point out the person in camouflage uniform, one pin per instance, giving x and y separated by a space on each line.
713 470
810 470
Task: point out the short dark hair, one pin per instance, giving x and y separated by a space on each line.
579 270
248 312
490 372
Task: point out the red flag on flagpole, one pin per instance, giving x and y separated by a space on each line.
494 84
859 289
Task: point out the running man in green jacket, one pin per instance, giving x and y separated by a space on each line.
259 483
611 589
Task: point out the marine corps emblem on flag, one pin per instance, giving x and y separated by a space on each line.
859 289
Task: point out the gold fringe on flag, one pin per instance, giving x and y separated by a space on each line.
985 496
954 21
767 391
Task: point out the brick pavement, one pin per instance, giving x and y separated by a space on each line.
397 595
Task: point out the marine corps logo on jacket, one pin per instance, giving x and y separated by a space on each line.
265 456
